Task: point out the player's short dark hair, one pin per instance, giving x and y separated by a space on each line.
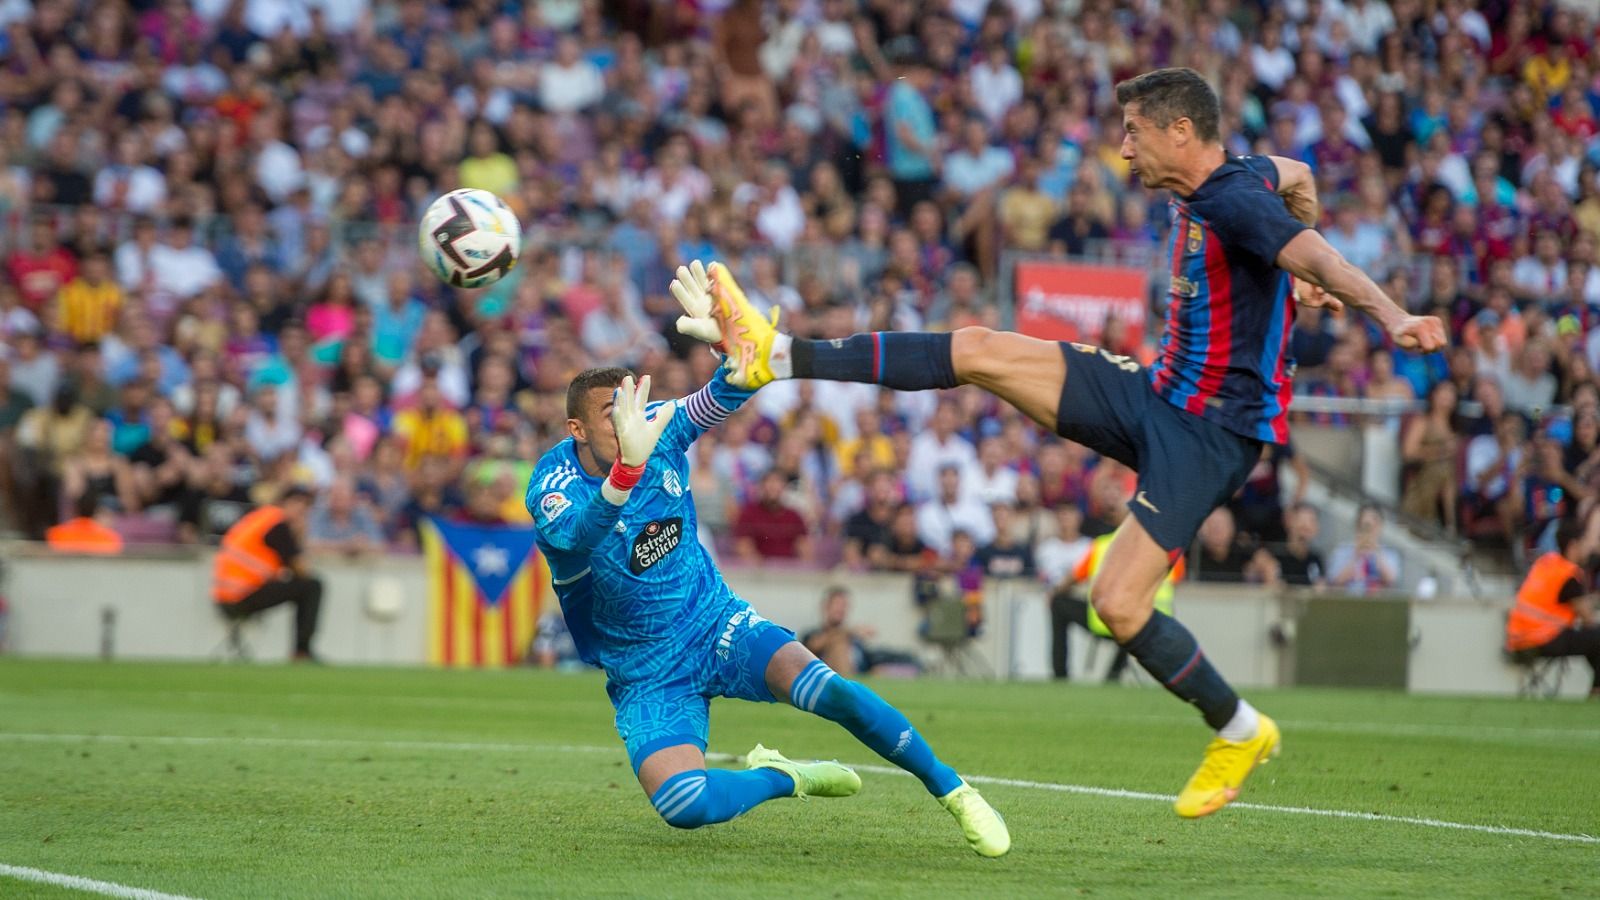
588 380
1167 95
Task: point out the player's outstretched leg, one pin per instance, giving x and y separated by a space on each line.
1123 596
810 685
1026 372
688 795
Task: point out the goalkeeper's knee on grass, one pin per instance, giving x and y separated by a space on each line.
884 729
707 796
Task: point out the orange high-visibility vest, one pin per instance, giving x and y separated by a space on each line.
83 535
1539 615
244 561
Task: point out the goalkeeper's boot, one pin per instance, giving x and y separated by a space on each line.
747 334
985 831
1224 769
811 779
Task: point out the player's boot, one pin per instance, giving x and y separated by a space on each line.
811 779
985 831
1224 769
746 333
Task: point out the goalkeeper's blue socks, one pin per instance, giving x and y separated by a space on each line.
875 723
707 796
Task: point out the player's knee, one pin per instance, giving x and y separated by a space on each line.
1118 606
975 351
683 801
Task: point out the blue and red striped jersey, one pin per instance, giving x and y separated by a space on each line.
1225 352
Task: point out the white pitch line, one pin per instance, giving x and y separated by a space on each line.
106 888
1081 789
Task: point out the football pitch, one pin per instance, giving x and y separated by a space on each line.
212 781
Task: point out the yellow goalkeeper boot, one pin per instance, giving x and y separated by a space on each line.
1226 765
811 779
985 831
746 333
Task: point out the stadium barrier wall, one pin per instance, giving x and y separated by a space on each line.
160 609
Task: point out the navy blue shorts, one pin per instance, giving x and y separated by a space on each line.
1187 465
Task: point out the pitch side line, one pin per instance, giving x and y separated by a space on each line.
1084 790
90 885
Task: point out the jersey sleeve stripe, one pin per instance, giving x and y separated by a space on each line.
704 410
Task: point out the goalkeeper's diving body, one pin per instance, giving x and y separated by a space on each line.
643 600
1192 425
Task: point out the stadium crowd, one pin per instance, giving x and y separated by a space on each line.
210 288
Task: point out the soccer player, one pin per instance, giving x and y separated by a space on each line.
1192 425
643 600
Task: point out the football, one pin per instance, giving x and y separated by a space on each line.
470 238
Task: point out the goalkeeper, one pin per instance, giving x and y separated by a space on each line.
643 600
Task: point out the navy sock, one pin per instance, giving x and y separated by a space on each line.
874 722
903 360
707 796
1168 651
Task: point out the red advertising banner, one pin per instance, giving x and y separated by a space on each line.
1068 302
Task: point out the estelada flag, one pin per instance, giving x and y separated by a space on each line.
486 584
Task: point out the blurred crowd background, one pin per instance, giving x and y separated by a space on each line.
210 286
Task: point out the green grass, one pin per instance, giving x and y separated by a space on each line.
336 805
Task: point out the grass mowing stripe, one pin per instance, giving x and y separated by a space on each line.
1087 790
1122 794
90 885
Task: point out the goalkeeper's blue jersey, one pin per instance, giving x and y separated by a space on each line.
633 580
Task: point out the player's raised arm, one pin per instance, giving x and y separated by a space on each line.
1309 256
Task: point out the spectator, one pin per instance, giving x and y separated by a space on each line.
1492 463
1429 451
88 305
842 647
952 511
40 271
1056 557
1299 562
1365 566
866 533
1222 556
911 134
936 449
1005 556
767 528
340 524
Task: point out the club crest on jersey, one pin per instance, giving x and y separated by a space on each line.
670 481
553 504
1196 235
654 542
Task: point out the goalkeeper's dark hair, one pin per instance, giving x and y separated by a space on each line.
589 379
1167 95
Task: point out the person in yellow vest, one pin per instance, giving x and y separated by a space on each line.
1555 611
1069 607
90 532
261 564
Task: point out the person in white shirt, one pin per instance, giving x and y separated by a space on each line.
939 519
978 165
938 447
1271 62
570 83
1368 21
179 267
130 184
992 482
996 85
